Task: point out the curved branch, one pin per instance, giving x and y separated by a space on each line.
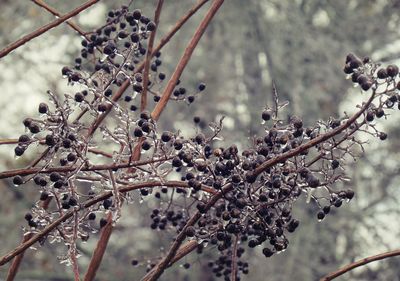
63 169
45 28
185 59
23 246
359 263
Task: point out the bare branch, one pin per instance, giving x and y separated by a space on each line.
364 261
45 28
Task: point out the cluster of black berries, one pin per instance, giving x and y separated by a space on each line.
257 193
119 49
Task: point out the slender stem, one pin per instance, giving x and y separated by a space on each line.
364 261
185 59
140 67
98 253
99 198
57 14
166 261
143 98
234 259
160 267
12 271
64 169
45 28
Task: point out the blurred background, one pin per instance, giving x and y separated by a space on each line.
299 44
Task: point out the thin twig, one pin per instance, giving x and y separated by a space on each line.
57 14
12 271
45 28
359 263
166 261
234 259
185 59
99 198
140 67
63 169
143 98
98 253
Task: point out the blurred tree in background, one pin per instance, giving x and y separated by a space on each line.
300 45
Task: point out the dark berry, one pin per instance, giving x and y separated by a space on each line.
201 87
71 157
43 108
19 150
321 215
392 70
190 231
266 115
79 97
151 26
43 196
335 163
382 73
102 107
17 180
103 222
92 216
146 145
137 132
166 136
382 136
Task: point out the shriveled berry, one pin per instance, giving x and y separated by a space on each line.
382 136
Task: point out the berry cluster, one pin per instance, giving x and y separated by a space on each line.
256 189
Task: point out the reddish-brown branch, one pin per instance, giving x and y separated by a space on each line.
185 249
99 198
12 271
140 67
57 14
160 267
185 59
166 261
98 253
143 98
45 28
104 237
63 169
359 263
234 259
315 141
